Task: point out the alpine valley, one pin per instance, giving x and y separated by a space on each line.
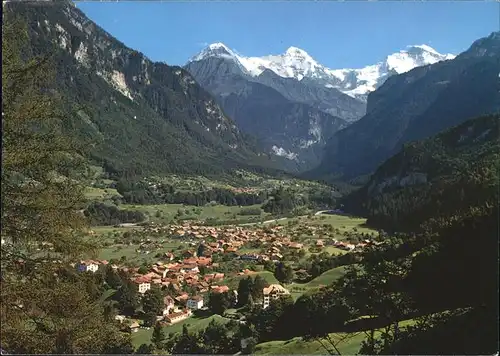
243 205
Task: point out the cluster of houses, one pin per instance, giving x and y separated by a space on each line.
350 246
174 311
225 239
231 239
182 306
233 236
170 274
90 265
175 272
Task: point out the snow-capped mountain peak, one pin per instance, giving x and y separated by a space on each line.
296 52
360 82
214 50
293 63
414 56
297 63
218 45
425 48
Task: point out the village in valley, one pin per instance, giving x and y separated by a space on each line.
210 260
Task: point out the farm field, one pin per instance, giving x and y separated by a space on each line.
117 251
92 193
107 236
104 230
165 213
341 222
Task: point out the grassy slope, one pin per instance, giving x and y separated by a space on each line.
326 278
92 193
298 346
107 234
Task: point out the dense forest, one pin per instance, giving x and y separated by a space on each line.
140 192
280 201
101 214
285 201
433 178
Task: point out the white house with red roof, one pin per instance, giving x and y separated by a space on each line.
195 302
143 284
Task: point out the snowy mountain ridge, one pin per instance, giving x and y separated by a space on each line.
298 64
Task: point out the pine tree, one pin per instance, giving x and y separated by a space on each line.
244 290
144 349
152 304
158 336
40 195
43 309
250 301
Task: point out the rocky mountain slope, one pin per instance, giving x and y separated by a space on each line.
312 102
136 115
429 178
415 105
295 131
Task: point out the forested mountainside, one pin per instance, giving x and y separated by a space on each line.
414 292
415 105
441 177
134 115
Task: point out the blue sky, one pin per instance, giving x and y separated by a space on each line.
337 34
